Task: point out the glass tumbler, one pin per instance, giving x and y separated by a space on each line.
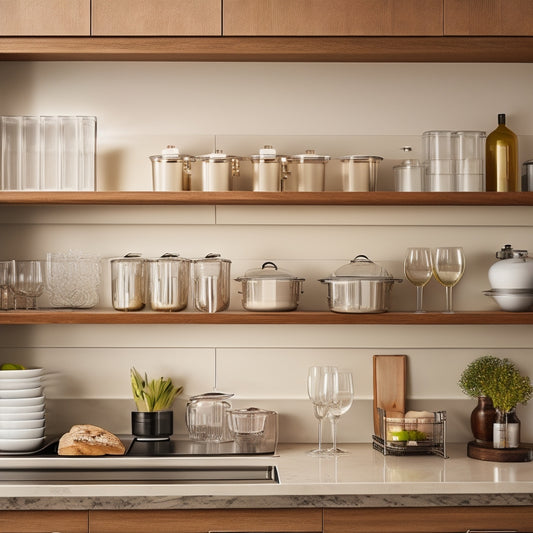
128 283
212 283
169 283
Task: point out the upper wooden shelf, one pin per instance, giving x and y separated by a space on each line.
266 198
67 316
337 49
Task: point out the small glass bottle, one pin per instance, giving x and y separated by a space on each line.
506 429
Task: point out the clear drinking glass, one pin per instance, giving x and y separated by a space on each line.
6 274
449 267
418 269
341 401
27 282
320 391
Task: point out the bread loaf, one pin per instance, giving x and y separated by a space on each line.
85 439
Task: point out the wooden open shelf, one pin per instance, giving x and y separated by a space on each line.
338 49
265 198
107 316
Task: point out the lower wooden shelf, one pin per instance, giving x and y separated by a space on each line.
110 316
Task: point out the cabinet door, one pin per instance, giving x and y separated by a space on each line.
488 17
45 17
44 521
209 520
428 520
156 17
334 17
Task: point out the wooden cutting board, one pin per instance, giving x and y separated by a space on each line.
390 377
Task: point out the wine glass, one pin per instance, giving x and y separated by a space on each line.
6 273
342 399
449 267
27 282
320 391
418 269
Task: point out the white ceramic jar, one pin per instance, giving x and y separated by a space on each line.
513 271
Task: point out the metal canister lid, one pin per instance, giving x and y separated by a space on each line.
212 258
361 158
129 257
267 153
309 157
172 154
218 156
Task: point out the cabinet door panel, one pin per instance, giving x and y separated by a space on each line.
427 520
202 521
45 17
334 17
488 17
156 17
43 521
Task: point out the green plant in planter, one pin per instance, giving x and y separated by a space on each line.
153 395
476 377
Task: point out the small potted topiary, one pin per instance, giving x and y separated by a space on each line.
153 419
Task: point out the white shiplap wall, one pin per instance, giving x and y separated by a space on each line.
334 108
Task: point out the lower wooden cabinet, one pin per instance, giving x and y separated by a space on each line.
44 521
207 521
428 520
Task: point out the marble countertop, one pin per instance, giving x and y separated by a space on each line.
362 478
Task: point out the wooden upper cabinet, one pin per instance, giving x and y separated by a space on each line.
332 17
45 17
488 17
156 17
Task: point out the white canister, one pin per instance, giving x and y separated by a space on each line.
171 171
513 271
218 171
360 172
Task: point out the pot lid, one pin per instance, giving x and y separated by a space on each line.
376 158
212 258
361 267
218 156
507 252
169 257
267 153
310 157
132 256
212 396
171 153
268 270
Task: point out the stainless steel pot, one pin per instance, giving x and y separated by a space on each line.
360 172
218 171
310 175
269 170
171 171
361 286
270 289
169 283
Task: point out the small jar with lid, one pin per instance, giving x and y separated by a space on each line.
409 174
269 170
218 171
128 282
310 172
211 283
169 282
171 171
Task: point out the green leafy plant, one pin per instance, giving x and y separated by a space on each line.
498 379
153 395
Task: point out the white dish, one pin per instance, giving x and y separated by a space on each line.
22 424
19 384
21 393
512 300
20 445
21 374
34 433
21 409
21 402
9 416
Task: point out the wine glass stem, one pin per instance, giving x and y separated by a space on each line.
334 432
449 305
319 434
419 297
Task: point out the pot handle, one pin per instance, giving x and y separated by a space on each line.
362 258
269 263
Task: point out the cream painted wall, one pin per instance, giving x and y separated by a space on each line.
334 108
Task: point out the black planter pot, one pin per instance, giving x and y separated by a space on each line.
154 425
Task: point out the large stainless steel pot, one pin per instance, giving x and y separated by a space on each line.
218 171
361 286
171 171
270 289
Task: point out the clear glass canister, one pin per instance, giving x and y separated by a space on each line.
128 282
207 417
171 171
310 172
360 172
218 171
409 175
211 283
169 283
269 170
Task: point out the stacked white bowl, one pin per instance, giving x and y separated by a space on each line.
22 413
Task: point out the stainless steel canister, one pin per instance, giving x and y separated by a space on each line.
218 171
360 172
171 171
211 283
169 283
269 170
310 172
128 282
527 175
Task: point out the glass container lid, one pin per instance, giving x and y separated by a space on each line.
214 396
212 258
361 267
130 257
309 157
169 257
171 154
268 270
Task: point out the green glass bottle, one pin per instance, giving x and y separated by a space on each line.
501 163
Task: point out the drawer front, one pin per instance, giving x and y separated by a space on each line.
488 17
45 17
156 17
44 521
332 18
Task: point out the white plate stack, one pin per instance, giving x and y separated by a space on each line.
22 413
